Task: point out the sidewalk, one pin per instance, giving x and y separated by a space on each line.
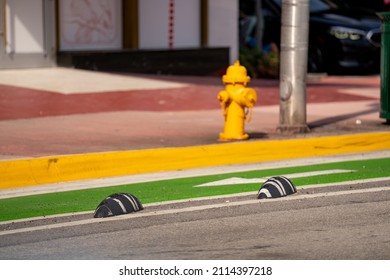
53 112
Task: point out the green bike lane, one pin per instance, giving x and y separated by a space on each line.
198 186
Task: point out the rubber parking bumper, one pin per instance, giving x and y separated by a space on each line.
118 204
274 187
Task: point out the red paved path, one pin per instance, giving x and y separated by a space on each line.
41 123
16 102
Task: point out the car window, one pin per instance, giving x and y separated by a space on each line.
322 5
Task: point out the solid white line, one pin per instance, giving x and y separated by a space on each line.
317 173
189 209
363 181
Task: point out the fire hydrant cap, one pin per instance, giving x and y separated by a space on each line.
236 74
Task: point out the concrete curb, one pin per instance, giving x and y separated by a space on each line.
55 169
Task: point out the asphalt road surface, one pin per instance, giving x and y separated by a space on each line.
346 222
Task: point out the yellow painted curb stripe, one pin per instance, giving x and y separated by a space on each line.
36 171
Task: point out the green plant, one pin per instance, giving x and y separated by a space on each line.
261 64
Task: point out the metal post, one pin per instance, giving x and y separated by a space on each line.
259 23
293 66
3 32
385 67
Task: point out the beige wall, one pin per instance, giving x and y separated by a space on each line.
90 25
24 23
223 25
154 24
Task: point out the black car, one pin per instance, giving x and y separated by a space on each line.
340 37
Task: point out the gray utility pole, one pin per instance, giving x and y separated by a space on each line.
293 66
259 23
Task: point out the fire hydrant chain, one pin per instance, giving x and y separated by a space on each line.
248 112
237 102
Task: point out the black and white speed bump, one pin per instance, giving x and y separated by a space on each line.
277 186
118 204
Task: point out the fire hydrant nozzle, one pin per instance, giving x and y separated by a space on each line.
235 100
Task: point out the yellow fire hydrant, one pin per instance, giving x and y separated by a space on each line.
237 102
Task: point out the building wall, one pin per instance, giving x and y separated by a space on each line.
98 25
154 24
27 34
223 25
90 25
24 22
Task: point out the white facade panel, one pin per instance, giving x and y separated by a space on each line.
24 23
154 20
187 24
153 24
223 25
90 25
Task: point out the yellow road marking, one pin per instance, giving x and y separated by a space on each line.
45 170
